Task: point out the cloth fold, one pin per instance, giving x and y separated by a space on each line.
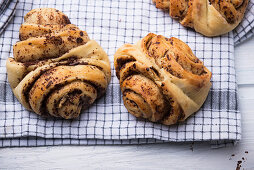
111 24
7 11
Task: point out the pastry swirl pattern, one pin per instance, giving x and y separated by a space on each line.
161 79
208 17
56 70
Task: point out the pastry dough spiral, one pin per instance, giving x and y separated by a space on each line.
208 17
56 70
161 79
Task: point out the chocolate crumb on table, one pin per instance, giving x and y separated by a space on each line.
238 166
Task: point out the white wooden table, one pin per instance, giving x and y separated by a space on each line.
154 156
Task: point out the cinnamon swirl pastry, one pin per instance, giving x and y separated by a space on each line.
208 17
56 70
161 79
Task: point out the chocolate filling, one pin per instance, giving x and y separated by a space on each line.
121 63
43 108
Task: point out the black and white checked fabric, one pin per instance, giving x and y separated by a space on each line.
113 23
7 11
245 29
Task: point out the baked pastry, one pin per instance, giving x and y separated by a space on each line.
56 69
208 17
161 79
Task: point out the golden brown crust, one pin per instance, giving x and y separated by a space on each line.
162 4
208 17
34 30
161 79
48 46
57 70
43 16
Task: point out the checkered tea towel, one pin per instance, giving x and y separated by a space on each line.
112 24
7 11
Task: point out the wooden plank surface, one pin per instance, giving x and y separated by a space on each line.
154 156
